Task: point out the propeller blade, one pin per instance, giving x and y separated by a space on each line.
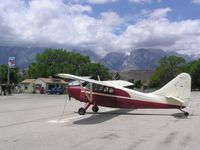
69 97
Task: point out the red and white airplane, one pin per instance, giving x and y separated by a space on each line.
114 93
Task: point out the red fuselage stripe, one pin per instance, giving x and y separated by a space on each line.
125 102
119 99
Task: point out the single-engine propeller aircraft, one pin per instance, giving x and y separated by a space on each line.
175 94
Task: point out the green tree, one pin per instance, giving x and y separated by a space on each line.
193 68
167 69
95 70
54 61
14 72
3 73
138 84
14 75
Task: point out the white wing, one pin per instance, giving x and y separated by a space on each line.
111 83
120 83
70 76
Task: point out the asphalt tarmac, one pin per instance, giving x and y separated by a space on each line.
37 122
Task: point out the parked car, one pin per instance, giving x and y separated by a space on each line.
56 90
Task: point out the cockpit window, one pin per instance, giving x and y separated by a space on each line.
87 86
95 87
102 89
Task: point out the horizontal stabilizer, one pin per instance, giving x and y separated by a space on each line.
175 100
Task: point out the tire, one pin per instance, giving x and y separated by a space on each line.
81 111
95 108
186 114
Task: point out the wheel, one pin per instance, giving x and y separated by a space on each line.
95 108
186 114
81 111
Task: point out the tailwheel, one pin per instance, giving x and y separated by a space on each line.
185 112
95 108
81 111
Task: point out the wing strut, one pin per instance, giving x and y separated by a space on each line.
87 94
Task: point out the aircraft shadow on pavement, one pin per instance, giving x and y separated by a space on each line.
102 116
180 115
105 116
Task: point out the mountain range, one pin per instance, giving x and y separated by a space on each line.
138 59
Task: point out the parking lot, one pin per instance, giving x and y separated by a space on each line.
37 122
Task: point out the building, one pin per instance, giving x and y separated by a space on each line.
41 85
27 86
45 84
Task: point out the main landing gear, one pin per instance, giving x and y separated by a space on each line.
185 112
82 110
95 108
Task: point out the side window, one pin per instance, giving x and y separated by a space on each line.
108 90
102 89
95 87
105 89
111 90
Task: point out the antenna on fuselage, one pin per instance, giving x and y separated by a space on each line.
98 78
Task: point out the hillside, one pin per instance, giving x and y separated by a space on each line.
115 61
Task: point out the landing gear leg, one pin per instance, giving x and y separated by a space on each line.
82 110
185 112
95 108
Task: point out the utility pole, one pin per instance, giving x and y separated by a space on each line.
8 76
11 64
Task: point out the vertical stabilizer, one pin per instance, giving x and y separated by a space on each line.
179 87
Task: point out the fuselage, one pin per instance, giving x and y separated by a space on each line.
120 97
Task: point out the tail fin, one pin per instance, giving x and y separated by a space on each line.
179 88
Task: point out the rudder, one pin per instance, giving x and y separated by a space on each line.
179 87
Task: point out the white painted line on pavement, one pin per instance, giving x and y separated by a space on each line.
66 119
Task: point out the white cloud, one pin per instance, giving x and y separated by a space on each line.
64 24
46 23
161 33
53 23
101 1
159 13
113 1
143 1
196 1
94 1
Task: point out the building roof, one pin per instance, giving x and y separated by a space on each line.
27 81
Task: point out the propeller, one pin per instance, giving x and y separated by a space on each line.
69 97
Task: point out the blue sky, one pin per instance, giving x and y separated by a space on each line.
102 25
182 9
